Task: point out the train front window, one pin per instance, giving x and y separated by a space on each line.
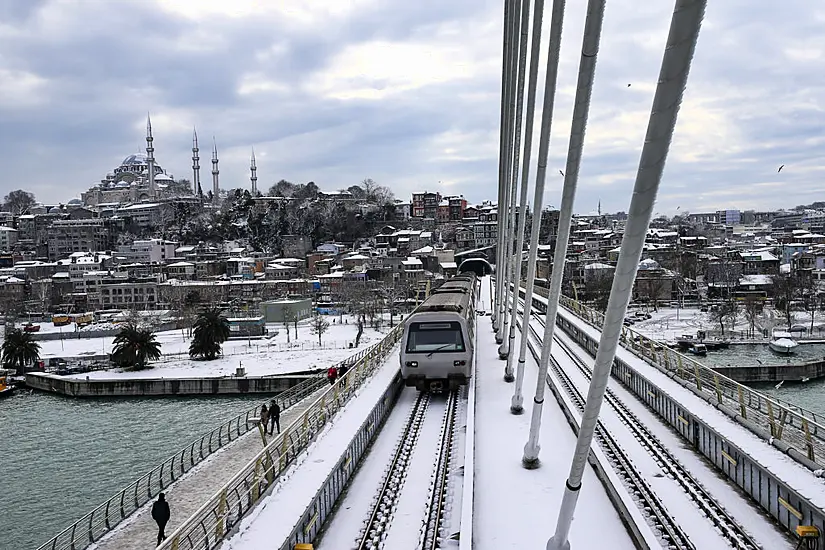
435 338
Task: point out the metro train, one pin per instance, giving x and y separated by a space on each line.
438 341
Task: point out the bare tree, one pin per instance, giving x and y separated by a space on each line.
597 290
723 312
785 290
319 326
752 310
288 316
651 290
808 289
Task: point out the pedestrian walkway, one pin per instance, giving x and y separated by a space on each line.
187 494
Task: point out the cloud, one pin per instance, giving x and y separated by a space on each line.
406 93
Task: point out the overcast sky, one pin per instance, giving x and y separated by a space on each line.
406 93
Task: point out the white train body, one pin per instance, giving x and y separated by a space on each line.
439 337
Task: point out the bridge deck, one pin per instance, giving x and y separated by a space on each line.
189 493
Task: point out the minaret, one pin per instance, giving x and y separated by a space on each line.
150 157
253 178
196 167
215 171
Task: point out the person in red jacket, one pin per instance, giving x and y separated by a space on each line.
332 374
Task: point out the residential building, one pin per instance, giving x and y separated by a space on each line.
295 246
150 251
425 204
68 236
8 238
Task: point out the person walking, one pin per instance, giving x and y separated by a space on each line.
342 370
274 417
332 374
264 417
160 513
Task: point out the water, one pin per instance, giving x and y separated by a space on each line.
62 457
808 395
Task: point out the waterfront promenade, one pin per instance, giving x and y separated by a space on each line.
187 494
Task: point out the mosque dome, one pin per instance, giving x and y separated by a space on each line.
136 159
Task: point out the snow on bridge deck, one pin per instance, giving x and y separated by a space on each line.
514 507
188 494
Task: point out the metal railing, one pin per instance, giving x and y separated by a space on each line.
208 526
801 429
322 507
106 516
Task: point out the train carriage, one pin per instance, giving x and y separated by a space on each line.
438 340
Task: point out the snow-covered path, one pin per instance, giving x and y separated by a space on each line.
189 493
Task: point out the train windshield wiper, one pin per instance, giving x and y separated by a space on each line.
439 348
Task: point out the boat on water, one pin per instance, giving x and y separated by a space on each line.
698 349
782 342
5 389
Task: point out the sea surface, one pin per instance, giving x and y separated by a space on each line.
809 395
61 457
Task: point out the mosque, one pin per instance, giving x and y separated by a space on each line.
139 178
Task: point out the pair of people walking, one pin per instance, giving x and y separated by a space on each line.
271 417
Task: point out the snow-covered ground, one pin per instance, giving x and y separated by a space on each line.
258 357
672 323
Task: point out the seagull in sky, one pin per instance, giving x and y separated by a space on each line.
780 168
628 85
562 173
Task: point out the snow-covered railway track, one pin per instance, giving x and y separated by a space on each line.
660 519
430 536
727 526
402 509
390 490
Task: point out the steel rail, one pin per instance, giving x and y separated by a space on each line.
435 509
649 503
713 510
388 494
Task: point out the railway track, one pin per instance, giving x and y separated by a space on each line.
387 498
430 535
380 520
659 518
727 526
709 506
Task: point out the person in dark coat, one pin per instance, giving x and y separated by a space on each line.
160 513
342 370
274 417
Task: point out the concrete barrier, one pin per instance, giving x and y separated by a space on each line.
774 373
143 387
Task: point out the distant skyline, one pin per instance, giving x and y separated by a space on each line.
404 93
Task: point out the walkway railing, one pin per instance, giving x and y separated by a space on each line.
207 527
105 517
770 415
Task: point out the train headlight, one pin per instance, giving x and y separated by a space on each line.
459 363
411 363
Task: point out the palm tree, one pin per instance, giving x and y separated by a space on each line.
211 330
134 347
19 349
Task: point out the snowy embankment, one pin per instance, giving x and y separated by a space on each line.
262 357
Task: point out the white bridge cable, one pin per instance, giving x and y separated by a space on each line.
507 132
508 199
501 153
681 44
581 110
504 349
556 24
